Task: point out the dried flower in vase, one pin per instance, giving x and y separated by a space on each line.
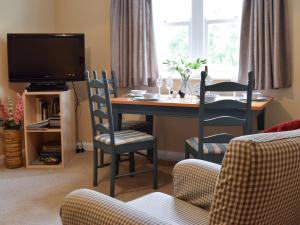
10 119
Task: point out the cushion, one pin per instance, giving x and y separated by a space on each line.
194 181
88 207
168 208
259 181
286 126
208 148
125 137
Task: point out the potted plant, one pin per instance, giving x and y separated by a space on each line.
185 69
10 121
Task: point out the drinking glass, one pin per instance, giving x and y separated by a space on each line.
169 85
159 84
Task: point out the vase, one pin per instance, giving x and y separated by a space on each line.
185 88
12 149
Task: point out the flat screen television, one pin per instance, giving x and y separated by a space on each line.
46 59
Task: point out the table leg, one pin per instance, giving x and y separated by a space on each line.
149 118
117 117
261 120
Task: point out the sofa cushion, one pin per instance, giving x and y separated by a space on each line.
259 181
286 126
168 208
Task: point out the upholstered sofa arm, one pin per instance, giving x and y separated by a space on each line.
195 180
87 207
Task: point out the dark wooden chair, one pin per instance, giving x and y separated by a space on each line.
226 112
139 125
113 142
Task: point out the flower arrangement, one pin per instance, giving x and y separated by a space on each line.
10 119
185 67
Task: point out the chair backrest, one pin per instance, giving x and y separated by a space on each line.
224 112
100 105
112 83
259 181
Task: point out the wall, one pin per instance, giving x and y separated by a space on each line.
286 105
92 18
17 16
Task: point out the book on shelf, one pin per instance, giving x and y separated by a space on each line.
44 124
44 155
51 148
54 121
38 109
47 107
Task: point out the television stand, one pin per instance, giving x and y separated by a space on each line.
33 87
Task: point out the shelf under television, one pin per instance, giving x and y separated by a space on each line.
39 164
49 130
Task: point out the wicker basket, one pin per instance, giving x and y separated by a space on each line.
12 149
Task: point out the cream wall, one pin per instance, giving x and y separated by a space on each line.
92 18
287 101
17 16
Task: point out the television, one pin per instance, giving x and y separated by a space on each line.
47 61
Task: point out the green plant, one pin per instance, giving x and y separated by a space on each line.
185 67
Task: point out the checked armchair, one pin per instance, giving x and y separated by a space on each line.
257 183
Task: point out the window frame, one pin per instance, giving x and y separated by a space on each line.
198 32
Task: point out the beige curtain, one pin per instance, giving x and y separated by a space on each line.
264 46
132 42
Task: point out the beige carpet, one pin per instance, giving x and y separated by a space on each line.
33 197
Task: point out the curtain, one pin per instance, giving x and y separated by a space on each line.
264 46
132 43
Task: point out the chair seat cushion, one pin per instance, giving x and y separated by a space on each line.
125 137
168 208
208 148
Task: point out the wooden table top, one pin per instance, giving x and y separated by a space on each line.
181 102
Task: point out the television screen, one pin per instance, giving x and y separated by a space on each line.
45 57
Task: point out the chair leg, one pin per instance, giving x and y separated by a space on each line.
131 163
101 158
95 167
113 174
155 170
149 130
186 152
150 155
117 162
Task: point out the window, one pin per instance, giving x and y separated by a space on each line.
199 28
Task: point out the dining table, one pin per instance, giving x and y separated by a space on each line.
175 107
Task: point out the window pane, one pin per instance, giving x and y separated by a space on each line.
173 43
178 43
169 11
221 9
223 49
172 19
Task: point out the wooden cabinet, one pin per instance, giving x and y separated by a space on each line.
65 135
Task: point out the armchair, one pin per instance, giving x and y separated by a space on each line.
258 183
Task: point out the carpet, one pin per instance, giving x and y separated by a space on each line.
33 196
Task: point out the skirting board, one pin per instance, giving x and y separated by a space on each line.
164 155
1 159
